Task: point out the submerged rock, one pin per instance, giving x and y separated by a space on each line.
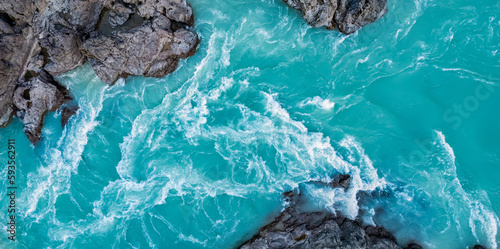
478 247
341 181
34 98
67 113
346 15
338 181
413 246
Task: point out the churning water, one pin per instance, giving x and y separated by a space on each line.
409 106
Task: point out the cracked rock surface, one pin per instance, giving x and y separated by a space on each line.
298 228
34 98
40 38
347 16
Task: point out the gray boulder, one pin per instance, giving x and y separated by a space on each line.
67 113
417 246
119 14
20 11
34 98
120 38
9 44
145 50
83 15
346 15
176 10
62 44
296 229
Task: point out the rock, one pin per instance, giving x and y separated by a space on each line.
36 62
478 247
62 44
152 49
379 232
67 113
341 181
347 15
142 50
175 10
19 11
83 15
5 27
7 75
162 22
36 97
309 230
119 15
16 46
318 13
413 246
120 38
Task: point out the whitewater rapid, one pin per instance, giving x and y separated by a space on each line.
200 158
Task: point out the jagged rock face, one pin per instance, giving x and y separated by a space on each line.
83 15
9 44
67 113
143 37
19 10
318 13
176 10
21 52
152 49
62 44
16 45
36 97
299 229
346 15
146 50
311 230
119 14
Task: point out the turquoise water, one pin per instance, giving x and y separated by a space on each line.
409 106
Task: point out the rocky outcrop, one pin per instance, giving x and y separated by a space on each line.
34 98
61 43
296 228
120 38
346 15
152 49
150 44
175 10
16 49
67 113
341 181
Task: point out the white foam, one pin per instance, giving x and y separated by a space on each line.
479 212
319 102
62 161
